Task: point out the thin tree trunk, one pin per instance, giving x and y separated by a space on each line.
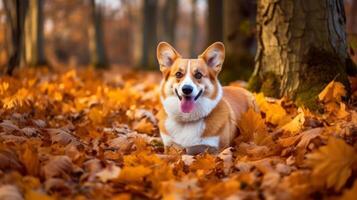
194 28
169 20
15 13
34 52
215 21
98 57
301 47
149 34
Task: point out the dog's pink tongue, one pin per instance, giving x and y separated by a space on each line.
187 105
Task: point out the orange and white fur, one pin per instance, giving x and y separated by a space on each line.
197 110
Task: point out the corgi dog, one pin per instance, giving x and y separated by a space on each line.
198 113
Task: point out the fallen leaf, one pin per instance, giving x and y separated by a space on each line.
227 156
275 113
8 126
250 123
295 125
133 174
10 192
58 166
109 173
332 163
333 92
31 161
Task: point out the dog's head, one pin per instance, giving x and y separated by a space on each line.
190 88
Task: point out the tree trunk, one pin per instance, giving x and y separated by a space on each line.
149 34
15 13
194 28
215 21
34 52
169 20
301 47
98 57
238 21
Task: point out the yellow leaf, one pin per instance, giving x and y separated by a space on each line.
334 91
275 113
332 163
134 174
342 113
295 125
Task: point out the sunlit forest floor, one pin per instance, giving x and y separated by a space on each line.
86 134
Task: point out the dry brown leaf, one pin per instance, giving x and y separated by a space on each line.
227 156
57 185
109 173
58 166
29 131
8 126
307 136
31 161
332 163
60 136
10 192
10 160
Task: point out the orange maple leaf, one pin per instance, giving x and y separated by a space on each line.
332 163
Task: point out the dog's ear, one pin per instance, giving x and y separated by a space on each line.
166 55
214 56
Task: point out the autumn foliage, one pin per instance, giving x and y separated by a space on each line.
85 134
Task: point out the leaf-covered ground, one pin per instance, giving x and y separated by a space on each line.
83 134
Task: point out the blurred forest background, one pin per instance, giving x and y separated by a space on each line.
124 33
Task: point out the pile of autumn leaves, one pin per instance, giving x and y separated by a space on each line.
82 134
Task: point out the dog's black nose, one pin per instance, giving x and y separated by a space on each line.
187 89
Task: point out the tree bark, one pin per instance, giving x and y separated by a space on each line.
15 13
149 41
194 28
301 47
169 20
34 52
239 39
215 21
98 57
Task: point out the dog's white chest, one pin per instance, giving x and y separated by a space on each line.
187 134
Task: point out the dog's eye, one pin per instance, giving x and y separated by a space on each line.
179 75
198 75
